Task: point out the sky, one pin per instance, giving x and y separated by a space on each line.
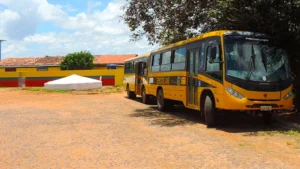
36 28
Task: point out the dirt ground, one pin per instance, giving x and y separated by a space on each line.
63 130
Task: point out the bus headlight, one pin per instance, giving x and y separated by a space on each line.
234 93
287 96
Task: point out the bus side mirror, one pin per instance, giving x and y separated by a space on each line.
213 54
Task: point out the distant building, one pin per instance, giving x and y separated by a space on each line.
39 70
50 63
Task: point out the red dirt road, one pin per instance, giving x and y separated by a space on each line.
48 130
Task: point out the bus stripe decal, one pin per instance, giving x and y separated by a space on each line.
176 80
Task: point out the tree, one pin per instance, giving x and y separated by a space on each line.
78 61
165 21
168 21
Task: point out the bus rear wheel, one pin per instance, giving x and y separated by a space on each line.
130 95
209 111
145 97
160 100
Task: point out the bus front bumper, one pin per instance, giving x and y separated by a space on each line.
228 102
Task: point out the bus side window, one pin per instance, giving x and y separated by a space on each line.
214 54
155 63
179 59
213 51
166 61
202 58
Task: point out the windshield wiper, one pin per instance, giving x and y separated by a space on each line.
252 63
264 61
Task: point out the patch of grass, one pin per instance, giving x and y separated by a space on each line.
242 144
102 90
272 133
33 89
297 147
293 133
288 143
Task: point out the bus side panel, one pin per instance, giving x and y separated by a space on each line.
145 84
176 93
129 79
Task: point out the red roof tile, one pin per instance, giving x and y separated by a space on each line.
112 59
49 61
19 61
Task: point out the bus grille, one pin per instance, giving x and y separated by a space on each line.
264 100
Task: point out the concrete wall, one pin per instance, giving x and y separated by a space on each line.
38 78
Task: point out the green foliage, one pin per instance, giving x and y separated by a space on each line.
168 21
47 90
78 61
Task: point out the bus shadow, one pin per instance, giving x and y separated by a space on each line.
237 122
234 122
139 100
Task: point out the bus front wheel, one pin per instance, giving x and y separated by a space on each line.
209 111
162 103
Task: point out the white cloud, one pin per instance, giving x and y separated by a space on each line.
13 49
91 5
41 38
98 31
7 16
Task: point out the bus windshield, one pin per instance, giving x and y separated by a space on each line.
255 59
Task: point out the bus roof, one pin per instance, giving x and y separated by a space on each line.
138 57
204 35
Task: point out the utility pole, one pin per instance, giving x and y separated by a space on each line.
0 47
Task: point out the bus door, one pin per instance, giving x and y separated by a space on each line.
192 87
139 77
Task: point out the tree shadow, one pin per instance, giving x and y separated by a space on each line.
234 122
170 118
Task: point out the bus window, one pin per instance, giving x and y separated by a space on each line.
214 69
156 63
213 51
166 61
126 68
202 58
179 59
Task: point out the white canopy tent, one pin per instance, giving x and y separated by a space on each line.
74 82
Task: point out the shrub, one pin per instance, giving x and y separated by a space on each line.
78 61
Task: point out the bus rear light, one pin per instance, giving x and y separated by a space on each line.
287 96
234 93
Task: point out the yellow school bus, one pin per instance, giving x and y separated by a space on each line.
135 77
222 71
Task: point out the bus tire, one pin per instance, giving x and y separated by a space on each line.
267 118
145 97
209 111
160 100
130 95
162 103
